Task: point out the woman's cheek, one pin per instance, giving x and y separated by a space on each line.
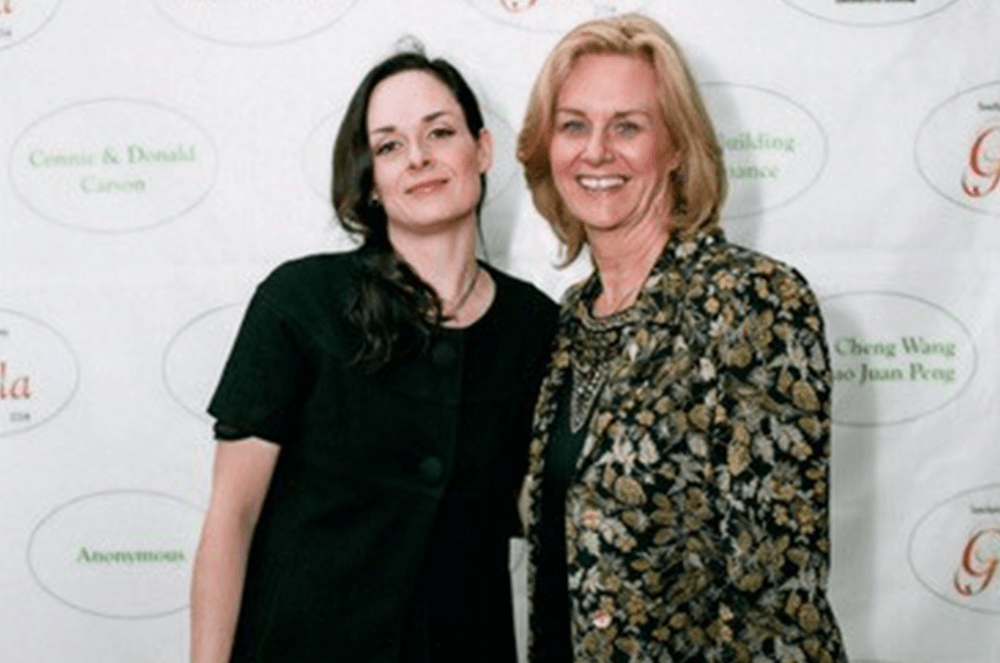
561 153
384 174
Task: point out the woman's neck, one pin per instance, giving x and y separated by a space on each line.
446 261
624 258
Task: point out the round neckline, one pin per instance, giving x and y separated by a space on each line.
613 320
489 309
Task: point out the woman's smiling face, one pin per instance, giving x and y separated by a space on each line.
610 150
426 163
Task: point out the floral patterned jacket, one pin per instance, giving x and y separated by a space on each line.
696 520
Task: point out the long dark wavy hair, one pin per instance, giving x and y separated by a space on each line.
396 311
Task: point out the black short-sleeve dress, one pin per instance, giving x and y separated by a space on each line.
384 532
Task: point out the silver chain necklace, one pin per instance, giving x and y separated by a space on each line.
465 295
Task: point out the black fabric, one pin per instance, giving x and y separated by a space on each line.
553 640
384 533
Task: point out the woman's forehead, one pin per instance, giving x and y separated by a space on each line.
410 97
609 79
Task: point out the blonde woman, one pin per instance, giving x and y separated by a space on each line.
678 479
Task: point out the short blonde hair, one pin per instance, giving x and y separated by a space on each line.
697 187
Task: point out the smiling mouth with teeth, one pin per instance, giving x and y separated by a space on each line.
600 183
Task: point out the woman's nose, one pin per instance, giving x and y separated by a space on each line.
419 154
598 148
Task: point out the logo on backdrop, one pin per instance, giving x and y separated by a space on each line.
979 559
120 554
318 146
895 358
954 550
254 22
113 166
518 6
553 15
193 361
774 148
958 149
982 175
38 373
870 12
20 19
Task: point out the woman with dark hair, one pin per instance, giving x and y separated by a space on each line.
375 411
678 479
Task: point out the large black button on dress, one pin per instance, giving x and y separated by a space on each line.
431 469
443 355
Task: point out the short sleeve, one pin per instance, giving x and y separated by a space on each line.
263 383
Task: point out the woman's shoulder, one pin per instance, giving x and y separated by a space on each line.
521 293
522 313
737 283
736 268
309 286
314 269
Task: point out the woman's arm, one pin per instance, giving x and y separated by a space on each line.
240 480
774 426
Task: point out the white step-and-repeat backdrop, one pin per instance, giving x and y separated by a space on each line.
161 156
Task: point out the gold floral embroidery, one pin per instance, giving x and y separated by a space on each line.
697 522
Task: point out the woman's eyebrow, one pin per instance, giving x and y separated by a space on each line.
617 114
433 116
426 119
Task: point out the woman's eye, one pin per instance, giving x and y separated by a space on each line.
442 132
572 127
387 147
627 128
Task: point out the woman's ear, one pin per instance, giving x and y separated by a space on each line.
484 150
671 156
